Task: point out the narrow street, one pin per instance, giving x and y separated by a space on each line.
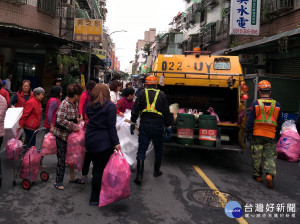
171 198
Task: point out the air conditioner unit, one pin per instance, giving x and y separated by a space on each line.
67 3
260 59
260 71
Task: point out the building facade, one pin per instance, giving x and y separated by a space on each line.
34 32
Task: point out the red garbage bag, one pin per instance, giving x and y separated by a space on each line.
30 164
13 149
288 146
49 145
115 179
75 150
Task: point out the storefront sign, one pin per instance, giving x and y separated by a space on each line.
100 53
245 17
89 30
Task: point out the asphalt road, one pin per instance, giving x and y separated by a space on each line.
181 195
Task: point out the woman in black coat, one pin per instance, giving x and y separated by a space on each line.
298 123
101 135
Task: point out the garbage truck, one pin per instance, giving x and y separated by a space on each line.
212 89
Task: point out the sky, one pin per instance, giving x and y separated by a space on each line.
136 17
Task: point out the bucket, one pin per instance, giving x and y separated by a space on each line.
207 130
185 129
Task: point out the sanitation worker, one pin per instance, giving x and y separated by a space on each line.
152 106
263 126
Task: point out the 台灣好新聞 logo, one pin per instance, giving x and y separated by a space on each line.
233 209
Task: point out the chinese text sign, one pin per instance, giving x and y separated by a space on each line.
89 30
245 17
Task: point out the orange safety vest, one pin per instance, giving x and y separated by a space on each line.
266 118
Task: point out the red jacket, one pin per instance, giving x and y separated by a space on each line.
5 94
32 113
21 99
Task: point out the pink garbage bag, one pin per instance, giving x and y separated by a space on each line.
75 150
115 180
181 111
49 145
30 164
213 113
13 149
288 146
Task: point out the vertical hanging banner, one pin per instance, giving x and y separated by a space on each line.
245 17
89 30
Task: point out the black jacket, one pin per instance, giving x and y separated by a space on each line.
161 106
298 123
101 132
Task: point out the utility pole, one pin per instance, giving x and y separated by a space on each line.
90 52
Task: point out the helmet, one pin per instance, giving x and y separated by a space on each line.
151 80
264 85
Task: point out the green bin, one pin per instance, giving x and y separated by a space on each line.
185 129
208 126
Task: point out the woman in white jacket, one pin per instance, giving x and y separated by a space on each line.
115 88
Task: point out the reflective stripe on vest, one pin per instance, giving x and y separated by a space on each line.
263 113
151 108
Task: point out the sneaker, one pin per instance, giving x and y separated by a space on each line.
269 180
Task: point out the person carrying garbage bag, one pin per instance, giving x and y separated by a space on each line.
263 126
153 108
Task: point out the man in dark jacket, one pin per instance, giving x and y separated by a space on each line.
154 117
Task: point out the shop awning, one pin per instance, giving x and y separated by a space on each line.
16 28
266 40
97 61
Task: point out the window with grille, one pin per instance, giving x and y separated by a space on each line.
47 6
281 5
209 34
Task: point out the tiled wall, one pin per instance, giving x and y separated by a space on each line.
29 17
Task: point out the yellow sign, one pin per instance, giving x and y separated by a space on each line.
100 53
82 80
89 30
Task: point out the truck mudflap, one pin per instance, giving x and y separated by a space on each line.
219 146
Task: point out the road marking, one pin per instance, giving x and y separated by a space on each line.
222 198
